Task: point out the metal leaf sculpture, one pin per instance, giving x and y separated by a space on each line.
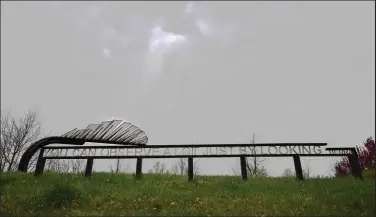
116 131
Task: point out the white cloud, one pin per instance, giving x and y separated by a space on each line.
162 40
203 27
106 53
160 43
189 7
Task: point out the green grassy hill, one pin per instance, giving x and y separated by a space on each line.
166 195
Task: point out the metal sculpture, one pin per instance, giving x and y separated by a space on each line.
108 132
125 140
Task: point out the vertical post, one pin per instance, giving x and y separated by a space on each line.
243 167
89 166
298 167
40 163
356 170
139 167
190 168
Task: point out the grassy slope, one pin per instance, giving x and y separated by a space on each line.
120 194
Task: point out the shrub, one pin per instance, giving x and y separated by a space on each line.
366 156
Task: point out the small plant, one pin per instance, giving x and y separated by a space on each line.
62 195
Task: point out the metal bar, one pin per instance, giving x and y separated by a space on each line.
139 167
33 148
196 156
190 168
89 166
343 148
298 167
243 167
40 163
356 170
187 146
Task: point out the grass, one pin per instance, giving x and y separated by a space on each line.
110 194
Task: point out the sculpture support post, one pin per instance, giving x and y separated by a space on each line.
243 167
40 163
298 167
139 167
190 168
356 170
89 166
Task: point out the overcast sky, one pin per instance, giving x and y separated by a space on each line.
197 72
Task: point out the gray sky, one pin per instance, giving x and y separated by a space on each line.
200 72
